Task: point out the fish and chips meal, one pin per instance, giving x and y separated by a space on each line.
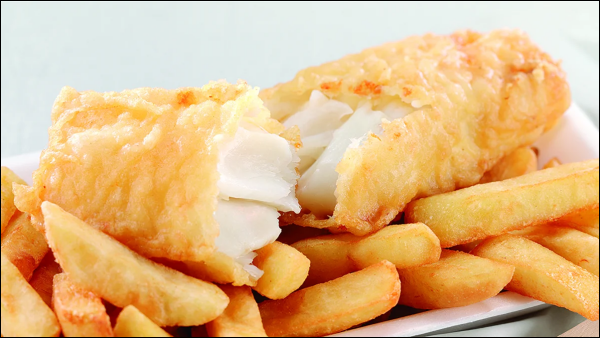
403 175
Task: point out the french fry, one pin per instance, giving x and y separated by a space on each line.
80 312
122 277
285 270
467 248
575 246
24 313
335 306
493 209
405 246
329 257
133 323
457 280
585 221
520 162
23 245
7 208
220 269
543 275
553 163
42 280
241 318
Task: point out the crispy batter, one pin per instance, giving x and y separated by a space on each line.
141 165
479 97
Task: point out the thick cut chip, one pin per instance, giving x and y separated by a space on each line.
132 323
285 270
141 165
220 269
520 162
107 268
573 245
465 101
496 208
329 257
24 313
543 275
241 318
457 280
335 306
24 245
405 246
80 312
585 221
8 198
42 280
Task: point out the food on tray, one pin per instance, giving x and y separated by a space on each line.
80 312
124 278
132 323
575 246
285 270
8 198
24 313
334 256
148 196
241 318
493 209
23 245
457 280
175 174
520 162
335 306
415 118
544 275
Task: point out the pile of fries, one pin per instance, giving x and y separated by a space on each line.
528 231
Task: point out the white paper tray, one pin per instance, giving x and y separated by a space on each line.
574 139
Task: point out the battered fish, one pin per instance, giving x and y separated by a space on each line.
457 105
175 174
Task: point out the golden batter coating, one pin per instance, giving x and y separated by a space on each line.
478 97
141 165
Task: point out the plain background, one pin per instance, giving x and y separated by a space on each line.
116 46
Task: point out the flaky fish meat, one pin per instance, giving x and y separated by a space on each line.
414 118
180 174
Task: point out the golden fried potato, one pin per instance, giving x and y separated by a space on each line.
220 269
585 221
472 99
42 280
285 270
80 312
8 198
141 165
335 306
23 245
553 163
122 277
575 246
405 246
518 163
241 318
133 323
24 313
467 248
543 275
493 209
329 257
457 280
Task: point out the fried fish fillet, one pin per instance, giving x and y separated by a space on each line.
159 170
414 118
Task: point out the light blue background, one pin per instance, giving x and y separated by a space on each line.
115 46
